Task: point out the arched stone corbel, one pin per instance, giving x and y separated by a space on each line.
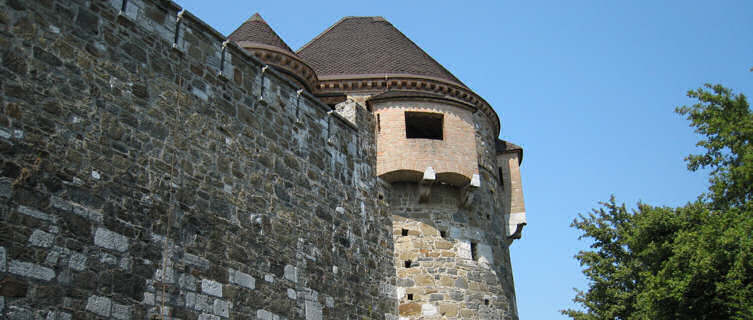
515 224
466 193
424 188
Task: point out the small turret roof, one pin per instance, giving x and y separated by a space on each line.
506 146
255 29
369 46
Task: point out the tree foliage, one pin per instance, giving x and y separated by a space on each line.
726 121
691 262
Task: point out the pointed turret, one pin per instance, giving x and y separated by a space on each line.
369 56
367 46
256 30
260 40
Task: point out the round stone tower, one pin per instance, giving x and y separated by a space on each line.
453 188
449 198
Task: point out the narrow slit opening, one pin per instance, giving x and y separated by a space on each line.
474 251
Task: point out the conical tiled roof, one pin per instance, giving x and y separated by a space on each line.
259 40
369 46
255 29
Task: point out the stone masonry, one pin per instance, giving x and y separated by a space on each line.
151 168
141 178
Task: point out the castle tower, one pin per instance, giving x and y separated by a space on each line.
454 188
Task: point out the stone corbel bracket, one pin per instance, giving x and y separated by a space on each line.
424 187
515 223
466 193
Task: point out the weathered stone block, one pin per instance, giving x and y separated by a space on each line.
187 281
31 270
205 316
121 312
110 240
409 309
40 238
36 214
242 279
313 310
211 287
221 308
99 305
448 310
77 261
291 273
428 309
424 280
19 313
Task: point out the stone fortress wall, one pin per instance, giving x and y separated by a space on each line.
142 171
151 167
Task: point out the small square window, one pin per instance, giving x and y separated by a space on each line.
424 125
407 263
443 234
410 296
404 232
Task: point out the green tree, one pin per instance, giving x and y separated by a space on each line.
726 121
691 262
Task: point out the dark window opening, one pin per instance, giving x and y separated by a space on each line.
379 123
423 125
488 217
404 232
410 296
474 251
443 234
486 302
407 263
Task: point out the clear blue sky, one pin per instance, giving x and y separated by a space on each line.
588 88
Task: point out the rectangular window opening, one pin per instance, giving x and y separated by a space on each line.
407 263
474 251
486 302
443 234
404 232
410 296
424 125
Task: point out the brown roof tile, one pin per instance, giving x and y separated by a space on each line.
255 29
369 45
